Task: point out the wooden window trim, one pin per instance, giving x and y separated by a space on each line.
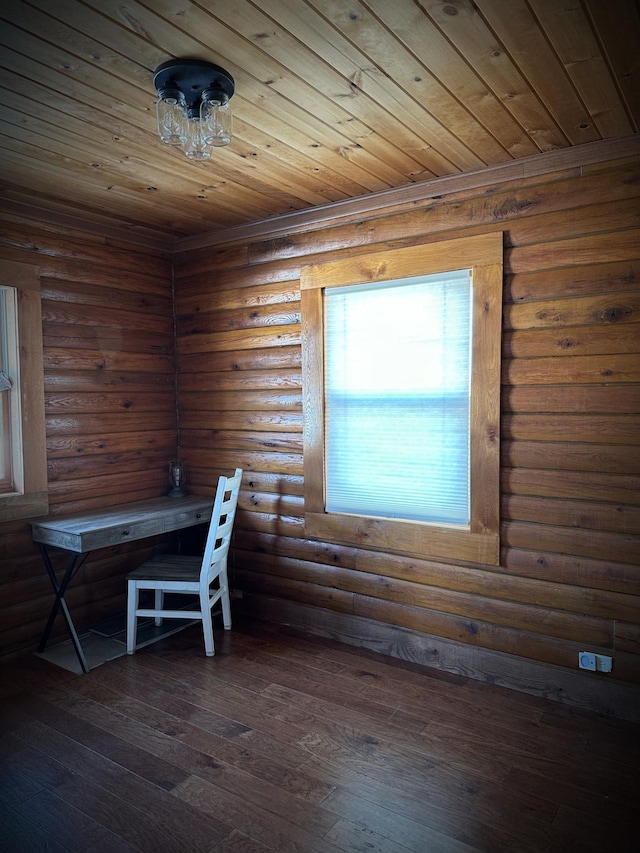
479 542
7 421
33 498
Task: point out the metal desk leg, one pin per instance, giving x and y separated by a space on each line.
75 561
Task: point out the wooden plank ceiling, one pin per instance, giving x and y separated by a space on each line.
335 99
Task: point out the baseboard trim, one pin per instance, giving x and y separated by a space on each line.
585 690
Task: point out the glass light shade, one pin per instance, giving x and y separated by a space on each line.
172 121
216 121
196 146
193 105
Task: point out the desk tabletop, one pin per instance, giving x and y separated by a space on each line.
87 531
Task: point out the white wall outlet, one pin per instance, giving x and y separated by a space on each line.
594 662
604 663
587 660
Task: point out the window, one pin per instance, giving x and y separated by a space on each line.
401 369
397 399
23 474
10 455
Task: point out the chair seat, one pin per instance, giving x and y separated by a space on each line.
167 568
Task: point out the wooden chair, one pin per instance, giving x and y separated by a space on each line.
192 575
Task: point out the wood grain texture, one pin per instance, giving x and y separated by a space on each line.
569 426
109 407
568 565
332 106
286 742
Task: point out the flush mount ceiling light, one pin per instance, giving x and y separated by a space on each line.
193 105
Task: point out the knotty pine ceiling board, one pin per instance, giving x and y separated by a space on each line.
335 100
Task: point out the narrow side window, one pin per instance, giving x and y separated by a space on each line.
23 453
11 455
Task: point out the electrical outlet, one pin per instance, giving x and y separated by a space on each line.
587 660
594 662
604 663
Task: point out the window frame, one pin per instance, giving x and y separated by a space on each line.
10 421
479 541
31 499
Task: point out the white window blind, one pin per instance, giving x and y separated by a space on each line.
397 398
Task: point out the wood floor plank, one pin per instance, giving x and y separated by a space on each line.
562 791
203 753
438 723
144 827
586 772
21 835
258 823
303 704
62 821
360 838
15 787
381 749
111 844
160 693
264 733
39 769
397 679
362 818
524 834
455 727
192 727
454 807
260 666
80 734
287 743
618 740
141 812
247 787
331 656
596 832
238 842
457 740
312 689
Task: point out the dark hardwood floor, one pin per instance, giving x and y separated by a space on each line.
284 743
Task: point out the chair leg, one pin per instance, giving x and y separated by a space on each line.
207 624
132 622
159 604
224 600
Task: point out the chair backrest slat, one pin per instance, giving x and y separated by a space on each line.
221 525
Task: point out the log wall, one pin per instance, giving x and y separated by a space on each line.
109 374
569 575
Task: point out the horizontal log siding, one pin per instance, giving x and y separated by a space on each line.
110 411
569 575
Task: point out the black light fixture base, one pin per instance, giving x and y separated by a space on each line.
192 77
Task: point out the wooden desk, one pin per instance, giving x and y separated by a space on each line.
80 534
